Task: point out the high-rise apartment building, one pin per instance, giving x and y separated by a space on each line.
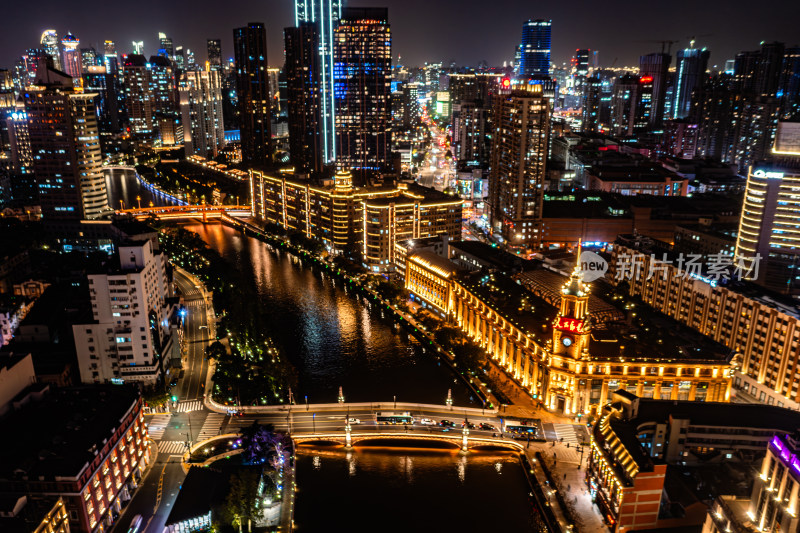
411 107
165 47
89 58
624 104
789 85
534 50
690 72
590 105
163 84
657 67
324 15
303 99
362 52
71 57
252 86
65 145
49 42
132 330
201 112
768 225
472 97
521 126
581 61
139 98
214 48
98 79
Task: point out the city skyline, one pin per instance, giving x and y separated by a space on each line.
719 27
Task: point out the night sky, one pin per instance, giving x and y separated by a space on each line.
465 31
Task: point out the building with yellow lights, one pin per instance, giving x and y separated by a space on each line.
100 459
636 442
566 360
370 220
775 500
761 327
21 514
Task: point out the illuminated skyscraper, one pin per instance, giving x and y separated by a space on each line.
590 104
201 112
214 47
72 56
768 224
301 44
65 144
165 45
362 53
582 62
164 84
252 86
324 14
50 44
689 76
139 98
521 122
624 102
534 60
657 67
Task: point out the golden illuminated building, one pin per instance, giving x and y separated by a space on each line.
763 328
56 521
343 216
559 358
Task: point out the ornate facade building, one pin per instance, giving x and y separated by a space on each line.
560 358
341 216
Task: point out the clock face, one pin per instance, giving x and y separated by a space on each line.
566 341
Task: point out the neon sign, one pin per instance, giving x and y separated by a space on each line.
573 325
770 175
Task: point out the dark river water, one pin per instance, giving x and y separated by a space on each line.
336 339
391 490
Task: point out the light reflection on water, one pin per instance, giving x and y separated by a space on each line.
408 489
334 338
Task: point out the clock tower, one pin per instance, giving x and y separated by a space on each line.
572 326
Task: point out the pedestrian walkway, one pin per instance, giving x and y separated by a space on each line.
211 426
171 447
566 465
157 424
192 405
566 433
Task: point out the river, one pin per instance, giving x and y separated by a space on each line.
336 339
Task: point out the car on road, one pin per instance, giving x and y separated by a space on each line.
448 423
353 421
427 422
173 381
136 524
487 427
470 425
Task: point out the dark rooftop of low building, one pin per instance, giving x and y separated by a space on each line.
499 259
58 434
203 489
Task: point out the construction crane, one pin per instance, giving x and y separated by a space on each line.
663 42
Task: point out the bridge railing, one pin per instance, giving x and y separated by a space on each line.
456 411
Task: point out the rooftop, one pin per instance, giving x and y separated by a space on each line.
781 302
201 490
497 258
58 435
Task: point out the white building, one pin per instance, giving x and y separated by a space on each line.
133 313
201 113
